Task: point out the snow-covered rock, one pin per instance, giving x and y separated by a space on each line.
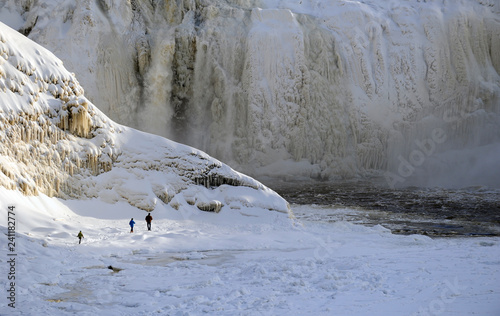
298 87
54 141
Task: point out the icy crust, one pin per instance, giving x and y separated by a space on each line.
56 142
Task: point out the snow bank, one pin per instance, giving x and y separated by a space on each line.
56 142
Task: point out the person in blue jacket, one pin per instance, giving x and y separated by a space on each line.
131 223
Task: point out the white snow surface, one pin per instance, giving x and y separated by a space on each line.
208 264
310 88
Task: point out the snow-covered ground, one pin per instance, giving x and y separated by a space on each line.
231 264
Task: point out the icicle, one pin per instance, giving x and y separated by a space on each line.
57 185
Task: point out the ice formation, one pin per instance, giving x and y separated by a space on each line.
54 141
322 89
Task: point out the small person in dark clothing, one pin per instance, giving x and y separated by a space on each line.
80 236
131 223
149 218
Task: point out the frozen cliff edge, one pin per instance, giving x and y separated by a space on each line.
54 141
320 89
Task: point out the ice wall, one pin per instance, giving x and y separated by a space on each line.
54 141
321 89
45 122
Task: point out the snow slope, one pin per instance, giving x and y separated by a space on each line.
56 142
322 89
208 264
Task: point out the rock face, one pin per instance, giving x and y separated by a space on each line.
56 142
321 89
212 206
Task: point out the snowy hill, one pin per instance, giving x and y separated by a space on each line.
321 89
54 141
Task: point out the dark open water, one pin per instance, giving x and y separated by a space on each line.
473 211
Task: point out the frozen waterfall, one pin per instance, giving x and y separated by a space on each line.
407 90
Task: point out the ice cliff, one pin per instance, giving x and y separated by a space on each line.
56 142
321 89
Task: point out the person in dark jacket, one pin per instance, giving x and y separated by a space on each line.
80 236
149 218
131 223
